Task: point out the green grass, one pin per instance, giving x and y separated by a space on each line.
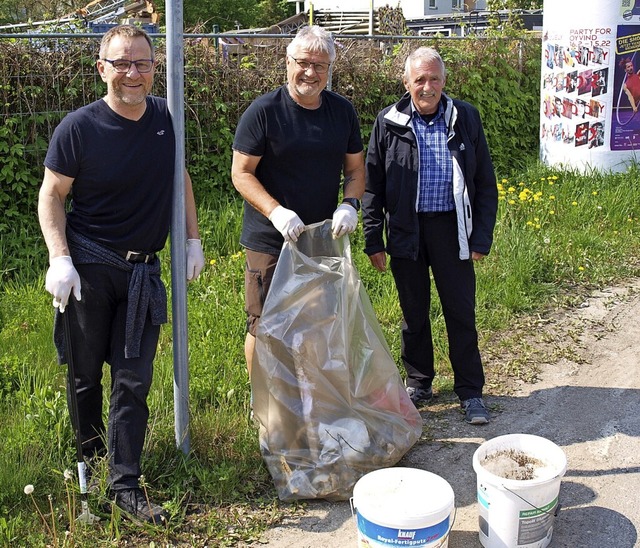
557 231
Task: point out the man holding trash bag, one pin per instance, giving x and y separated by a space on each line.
116 156
290 149
431 194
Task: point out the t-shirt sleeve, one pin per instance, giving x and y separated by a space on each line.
250 136
63 153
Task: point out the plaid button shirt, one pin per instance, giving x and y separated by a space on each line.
435 179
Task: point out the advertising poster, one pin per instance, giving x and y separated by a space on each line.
590 89
625 134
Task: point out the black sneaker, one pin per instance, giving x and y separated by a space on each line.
134 503
475 411
419 396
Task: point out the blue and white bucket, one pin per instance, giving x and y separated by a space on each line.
403 507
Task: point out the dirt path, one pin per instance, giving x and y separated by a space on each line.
587 402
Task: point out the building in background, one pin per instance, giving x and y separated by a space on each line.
412 9
422 17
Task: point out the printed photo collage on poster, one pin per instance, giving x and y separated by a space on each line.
575 90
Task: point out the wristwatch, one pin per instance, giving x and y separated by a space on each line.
353 202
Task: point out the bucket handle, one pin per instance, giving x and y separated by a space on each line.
556 510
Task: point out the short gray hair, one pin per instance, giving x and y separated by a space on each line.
423 54
315 39
125 31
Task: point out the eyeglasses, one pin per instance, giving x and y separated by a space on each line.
320 68
124 65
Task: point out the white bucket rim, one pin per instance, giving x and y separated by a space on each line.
404 513
536 446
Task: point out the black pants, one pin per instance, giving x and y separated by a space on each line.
98 336
456 285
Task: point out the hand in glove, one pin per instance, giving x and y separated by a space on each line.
345 220
61 279
195 259
287 222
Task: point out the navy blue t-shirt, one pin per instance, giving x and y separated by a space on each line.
302 155
123 174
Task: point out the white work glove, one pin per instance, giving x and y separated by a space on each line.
195 259
61 279
345 220
287 222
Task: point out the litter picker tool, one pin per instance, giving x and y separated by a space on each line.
85 516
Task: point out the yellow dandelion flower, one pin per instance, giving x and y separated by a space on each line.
595 193
505 181
552 197
511 189
574 203
581 268
512 202
552 212
212 262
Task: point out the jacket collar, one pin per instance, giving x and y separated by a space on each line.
400 113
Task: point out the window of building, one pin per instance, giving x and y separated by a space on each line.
457 4
432 4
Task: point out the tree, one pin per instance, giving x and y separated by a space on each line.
23 11
271 12
513 24
494 5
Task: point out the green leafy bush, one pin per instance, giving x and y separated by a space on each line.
45 79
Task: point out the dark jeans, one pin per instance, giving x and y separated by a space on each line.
98 336
456 285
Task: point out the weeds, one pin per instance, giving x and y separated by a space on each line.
559 234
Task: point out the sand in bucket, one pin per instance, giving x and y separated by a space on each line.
519 479
403 507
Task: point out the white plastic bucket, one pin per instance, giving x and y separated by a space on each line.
403 507
518 513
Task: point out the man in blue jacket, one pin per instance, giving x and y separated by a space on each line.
431 194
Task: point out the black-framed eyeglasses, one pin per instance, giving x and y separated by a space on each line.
124 65
320 68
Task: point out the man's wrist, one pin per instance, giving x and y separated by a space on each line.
353 202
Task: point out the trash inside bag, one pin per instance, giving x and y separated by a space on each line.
326 391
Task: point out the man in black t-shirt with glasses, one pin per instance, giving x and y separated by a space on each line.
116 157
291 148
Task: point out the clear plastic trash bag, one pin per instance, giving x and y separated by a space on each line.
326 391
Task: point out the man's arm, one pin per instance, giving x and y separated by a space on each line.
243 176
51 212
354 175
62 277
190 209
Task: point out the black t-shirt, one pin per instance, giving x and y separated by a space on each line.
302 155
123 174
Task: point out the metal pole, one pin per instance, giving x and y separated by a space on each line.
175 98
